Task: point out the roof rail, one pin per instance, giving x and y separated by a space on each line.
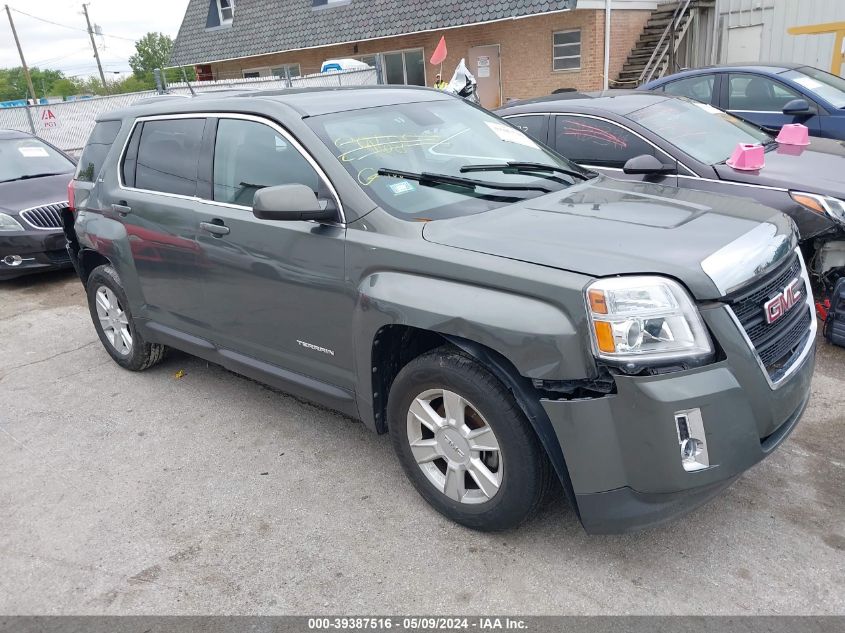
158 98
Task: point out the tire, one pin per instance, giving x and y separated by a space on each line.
127 347
518 466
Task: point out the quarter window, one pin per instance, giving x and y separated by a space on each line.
750 93
566 50
249 156
168 156
598 142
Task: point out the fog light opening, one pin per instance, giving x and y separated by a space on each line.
693 448
13 260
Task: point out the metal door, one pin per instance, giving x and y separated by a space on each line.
485 63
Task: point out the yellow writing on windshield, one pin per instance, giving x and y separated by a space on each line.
363 146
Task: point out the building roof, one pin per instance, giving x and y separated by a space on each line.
270 26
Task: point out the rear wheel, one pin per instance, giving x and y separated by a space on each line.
464 442
109 309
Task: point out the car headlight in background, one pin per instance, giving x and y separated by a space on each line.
8 223
834 208
643 320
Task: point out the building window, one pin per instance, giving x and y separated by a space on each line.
566 50
226 10
286 70
320 4
404 67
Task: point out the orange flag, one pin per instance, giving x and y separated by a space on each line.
439 52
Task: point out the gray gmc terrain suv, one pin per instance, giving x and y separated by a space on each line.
411 260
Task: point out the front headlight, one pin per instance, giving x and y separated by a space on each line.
834 208
644 320
8 223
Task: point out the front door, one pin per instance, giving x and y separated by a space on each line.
275 290
761 100
484 63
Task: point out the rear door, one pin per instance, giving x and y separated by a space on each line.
602 145
761 100
157 201
704 88
274 290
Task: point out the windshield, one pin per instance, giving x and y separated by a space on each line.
702 131
439 137
828 87
28 158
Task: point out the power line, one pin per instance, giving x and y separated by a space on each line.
66 26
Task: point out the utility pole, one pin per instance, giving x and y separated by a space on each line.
94 45
20 52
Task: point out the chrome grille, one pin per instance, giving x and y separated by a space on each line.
46 217
778 345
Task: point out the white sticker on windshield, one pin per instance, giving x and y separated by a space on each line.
809 83
399 188
510 135
33 152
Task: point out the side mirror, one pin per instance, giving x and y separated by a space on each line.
647 165
285 203
797 107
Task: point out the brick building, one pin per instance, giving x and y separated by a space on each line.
515 48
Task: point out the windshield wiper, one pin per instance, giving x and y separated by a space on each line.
28 176
523 167
427 179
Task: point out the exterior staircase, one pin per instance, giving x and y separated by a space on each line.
654 54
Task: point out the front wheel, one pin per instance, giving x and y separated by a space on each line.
464 442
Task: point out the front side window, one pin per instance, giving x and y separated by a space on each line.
598 142
22 158
249 156
447 138
699 88
828 87
702 131
566 50
168 156
750 93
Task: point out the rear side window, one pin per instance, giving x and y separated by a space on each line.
533 125
95 152
699 88
168 156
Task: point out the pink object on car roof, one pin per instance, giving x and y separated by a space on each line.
747 157
794 134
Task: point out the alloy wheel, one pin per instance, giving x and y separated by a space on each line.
113 320
455 448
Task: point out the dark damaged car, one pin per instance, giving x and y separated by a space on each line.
415 262
34 178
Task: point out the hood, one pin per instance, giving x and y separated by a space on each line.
607 227
816 168
25 194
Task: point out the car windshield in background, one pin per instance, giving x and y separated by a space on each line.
702 131
22 158
828 87
440 138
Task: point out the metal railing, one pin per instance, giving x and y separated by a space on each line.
658 55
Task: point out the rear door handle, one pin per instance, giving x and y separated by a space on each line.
214 229
122 209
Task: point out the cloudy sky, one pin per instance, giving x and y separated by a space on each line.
64 45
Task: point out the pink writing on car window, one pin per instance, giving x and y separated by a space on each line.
596 134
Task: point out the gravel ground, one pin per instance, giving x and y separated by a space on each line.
126 493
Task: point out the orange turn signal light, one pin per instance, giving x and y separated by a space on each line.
598 304
809 202
604 337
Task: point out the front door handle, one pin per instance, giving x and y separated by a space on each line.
122 209
214 228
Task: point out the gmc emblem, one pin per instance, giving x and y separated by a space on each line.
776 307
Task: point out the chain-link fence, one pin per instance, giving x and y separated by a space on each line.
68 124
